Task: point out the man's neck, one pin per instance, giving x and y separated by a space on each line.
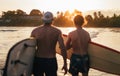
47 24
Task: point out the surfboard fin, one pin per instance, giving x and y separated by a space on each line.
28 45
18 61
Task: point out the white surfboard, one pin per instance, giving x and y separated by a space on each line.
101 57
20 58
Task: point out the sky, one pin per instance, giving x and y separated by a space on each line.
58 5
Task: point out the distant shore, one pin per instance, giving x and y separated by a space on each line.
54 25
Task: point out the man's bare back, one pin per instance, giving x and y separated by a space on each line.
47 37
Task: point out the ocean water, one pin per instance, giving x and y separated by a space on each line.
106 36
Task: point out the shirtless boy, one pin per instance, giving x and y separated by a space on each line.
78 40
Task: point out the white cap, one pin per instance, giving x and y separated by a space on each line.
47 17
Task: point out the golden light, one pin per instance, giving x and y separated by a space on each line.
71 11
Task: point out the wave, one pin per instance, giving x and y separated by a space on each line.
8 30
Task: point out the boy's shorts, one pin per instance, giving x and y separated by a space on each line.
79 64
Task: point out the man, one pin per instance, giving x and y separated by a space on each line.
78 40
45 56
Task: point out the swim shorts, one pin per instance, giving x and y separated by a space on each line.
47 66
79 64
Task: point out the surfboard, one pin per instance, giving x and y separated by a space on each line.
20 58
101 57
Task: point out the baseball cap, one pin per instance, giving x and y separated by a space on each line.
47 17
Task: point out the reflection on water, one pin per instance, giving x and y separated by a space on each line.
117 30
106 36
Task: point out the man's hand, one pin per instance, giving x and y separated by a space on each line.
65 68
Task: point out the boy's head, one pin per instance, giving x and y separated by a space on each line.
78 20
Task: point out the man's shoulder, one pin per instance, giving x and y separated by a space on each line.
37 28
56 29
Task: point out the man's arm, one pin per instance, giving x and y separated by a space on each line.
63 52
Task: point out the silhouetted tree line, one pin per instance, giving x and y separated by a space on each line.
20 18
100 20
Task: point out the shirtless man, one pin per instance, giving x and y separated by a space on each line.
78 40
45 56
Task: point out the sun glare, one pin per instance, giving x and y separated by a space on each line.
58 5
71 10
